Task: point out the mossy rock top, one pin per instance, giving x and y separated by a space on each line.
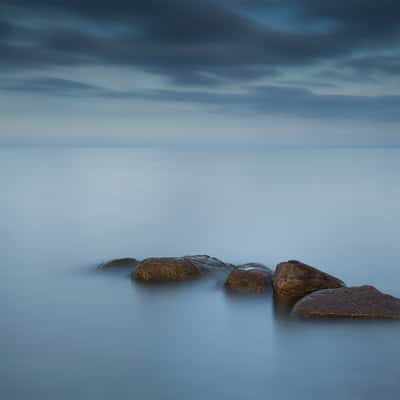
165 269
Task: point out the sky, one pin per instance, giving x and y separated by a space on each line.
191 72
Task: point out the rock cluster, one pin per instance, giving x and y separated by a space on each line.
302 290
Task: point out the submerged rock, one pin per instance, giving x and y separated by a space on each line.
165 269
293 280
352 302
249 278
119 263
209 263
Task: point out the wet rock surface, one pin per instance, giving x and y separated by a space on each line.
293 280
166 269
119 263
249 278
352 302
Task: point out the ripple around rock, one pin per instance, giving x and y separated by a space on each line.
293 280
249 278
352 302
166 269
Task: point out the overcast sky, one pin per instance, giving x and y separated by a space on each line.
200 72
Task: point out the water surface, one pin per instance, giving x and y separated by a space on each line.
70 331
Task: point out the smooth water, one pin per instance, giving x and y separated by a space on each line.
69 331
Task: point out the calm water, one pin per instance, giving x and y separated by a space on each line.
71 332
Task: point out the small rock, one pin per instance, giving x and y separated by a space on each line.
166 269
352 302
209 263
293 280
119 263
249 278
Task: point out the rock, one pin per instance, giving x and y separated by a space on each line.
249 278
166 269
209 263
352 302
293 280
119 263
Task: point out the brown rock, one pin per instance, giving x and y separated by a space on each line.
353 302
293 280
249 278
119 263
166 269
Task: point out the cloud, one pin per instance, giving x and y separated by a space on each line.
236 59
371 65
262 100
53 86
192 42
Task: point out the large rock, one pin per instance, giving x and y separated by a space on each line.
293 280
352 302
249 278
166 269
119 263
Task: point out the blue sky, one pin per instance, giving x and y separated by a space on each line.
189 72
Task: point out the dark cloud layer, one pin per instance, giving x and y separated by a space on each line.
206 43
195 38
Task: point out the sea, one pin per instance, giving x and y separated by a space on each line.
71 331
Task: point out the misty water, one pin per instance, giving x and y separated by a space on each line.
70 331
